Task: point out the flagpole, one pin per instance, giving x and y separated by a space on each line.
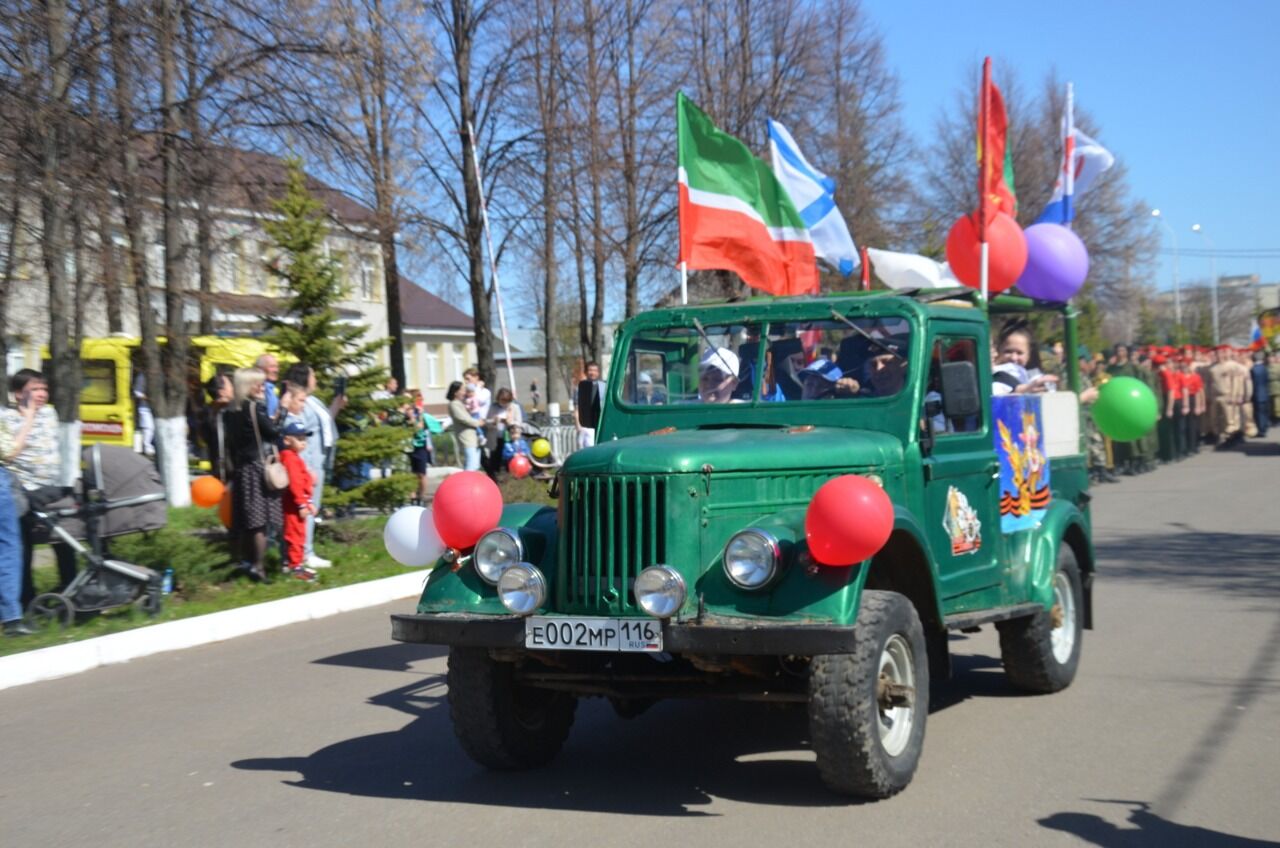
493 264
684 283
983 97
1069 156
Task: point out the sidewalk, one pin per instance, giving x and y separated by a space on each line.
75 657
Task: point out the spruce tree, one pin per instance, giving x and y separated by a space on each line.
309 331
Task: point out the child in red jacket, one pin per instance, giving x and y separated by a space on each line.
297 501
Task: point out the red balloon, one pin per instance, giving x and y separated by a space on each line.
466 506
1006 252
206 491
519 466
224 508
849 519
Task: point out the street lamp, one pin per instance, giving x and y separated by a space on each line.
1213 281
1177 294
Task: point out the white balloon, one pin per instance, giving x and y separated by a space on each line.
410 537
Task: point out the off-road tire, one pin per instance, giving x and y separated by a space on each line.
1027 644
845 718
500 723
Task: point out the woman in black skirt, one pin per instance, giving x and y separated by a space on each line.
254 507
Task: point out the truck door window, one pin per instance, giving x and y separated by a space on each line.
949 350
664 365
829 360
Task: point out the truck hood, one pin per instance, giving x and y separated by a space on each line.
760 450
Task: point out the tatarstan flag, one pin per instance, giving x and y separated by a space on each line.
734 214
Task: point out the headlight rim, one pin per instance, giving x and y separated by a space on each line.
540 578
513 536
684 590
775 547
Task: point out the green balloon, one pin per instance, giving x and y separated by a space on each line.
1126 409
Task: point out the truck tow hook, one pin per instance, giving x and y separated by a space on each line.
890 695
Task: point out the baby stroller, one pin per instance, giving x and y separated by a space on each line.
120 492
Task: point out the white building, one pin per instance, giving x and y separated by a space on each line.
242 290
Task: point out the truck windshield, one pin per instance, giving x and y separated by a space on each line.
800 361
826 360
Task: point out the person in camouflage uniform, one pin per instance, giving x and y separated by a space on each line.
1097 445
1273 379
1130 457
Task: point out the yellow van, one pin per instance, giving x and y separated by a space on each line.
106 403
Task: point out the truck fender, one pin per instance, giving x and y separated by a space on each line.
1063 523
454 587
904 565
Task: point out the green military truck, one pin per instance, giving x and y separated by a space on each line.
675 563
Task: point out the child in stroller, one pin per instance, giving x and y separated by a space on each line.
120 492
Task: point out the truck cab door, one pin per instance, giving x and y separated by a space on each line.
961 470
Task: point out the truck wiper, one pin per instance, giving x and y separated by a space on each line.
874 341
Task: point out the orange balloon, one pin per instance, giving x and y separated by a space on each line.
207 491
224 508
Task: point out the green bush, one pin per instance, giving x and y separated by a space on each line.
381 493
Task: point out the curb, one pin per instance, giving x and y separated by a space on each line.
73 658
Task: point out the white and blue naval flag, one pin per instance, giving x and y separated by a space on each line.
813 194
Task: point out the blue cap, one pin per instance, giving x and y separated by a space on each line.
294 428
823 368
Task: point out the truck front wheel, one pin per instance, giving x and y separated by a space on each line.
500 723
1041 652
867 709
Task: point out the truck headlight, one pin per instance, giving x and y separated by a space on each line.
752 558
496 551
660 591
522 588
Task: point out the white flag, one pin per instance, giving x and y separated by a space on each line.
813 194
910 270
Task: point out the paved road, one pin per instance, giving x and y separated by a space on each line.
327 734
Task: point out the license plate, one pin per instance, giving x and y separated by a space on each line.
593 634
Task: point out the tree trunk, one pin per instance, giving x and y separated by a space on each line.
14 211
595 177
380 154
549 106
169 400
630 209
64 355
131 193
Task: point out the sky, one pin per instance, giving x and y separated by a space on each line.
1187 94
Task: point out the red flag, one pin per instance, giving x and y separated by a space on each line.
995 160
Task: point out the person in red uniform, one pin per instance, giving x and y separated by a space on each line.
1192 398
297 505
1170 425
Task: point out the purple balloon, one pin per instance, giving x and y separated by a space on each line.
1057 263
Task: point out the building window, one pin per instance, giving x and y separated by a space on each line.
369 279
339 258
458 352
433 365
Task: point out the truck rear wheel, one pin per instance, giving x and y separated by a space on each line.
867 709
500 723
1041 652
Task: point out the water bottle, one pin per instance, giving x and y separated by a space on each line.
166 582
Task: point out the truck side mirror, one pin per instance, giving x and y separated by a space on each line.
960 395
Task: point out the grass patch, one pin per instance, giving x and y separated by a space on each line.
196 547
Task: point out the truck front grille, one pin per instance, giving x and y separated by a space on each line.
613 527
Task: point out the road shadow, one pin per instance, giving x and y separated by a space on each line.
1231 563
671 761
1148 829
1259 448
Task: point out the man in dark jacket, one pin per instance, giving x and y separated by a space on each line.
586 410
1261 393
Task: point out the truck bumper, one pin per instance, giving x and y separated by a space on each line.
719 636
